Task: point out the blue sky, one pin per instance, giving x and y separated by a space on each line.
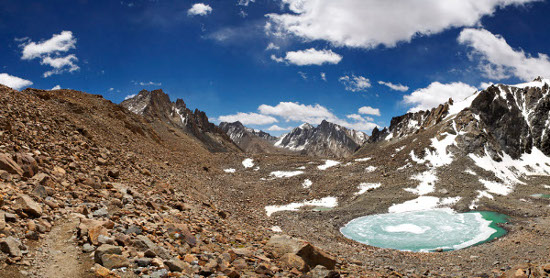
327 59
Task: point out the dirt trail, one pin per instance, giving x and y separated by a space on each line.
57 255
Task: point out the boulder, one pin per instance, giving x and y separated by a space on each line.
27 205
143 243
176 265
10 246
27 163
322 272
106 249
291 261
112 261
313 256
9 165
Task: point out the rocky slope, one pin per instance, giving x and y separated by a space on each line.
250 140
327 139
157 106
89 189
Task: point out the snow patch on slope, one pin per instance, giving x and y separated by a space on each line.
327 202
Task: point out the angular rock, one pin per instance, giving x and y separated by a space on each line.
28 164
322 272
143 243
2 220
282 244
9 165
10 246
176 265
291 261
27 205
112 261
106 249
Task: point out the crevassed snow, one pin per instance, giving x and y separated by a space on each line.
328 163
364 187
427 183
307 183
363 159
285 174
370 169
423 203
229 170
327 202
248 163
509 171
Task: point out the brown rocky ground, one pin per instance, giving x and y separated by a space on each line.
90 189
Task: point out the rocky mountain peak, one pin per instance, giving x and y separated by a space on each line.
156 106
327 139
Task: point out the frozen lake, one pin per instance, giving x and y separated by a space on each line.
426 231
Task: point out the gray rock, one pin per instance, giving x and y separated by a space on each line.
87 248
176 265
106 249
143 243
112 261
27 205
10 245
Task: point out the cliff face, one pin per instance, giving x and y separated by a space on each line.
156 106
250 140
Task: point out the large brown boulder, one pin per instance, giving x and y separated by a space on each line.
25 204
281 245
28 164
9 165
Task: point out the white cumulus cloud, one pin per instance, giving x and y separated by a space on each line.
314 114
323 76
498 60
248 119
309 57
367 110
13 82
355 83
56 87
129 96
199 9
50 52
437 93
370 23
278 128
272 46
395 87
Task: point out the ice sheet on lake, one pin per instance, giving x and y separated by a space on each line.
422 231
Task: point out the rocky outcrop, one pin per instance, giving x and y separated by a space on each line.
157 106
327 139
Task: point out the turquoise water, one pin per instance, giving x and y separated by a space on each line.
546 196
425 231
